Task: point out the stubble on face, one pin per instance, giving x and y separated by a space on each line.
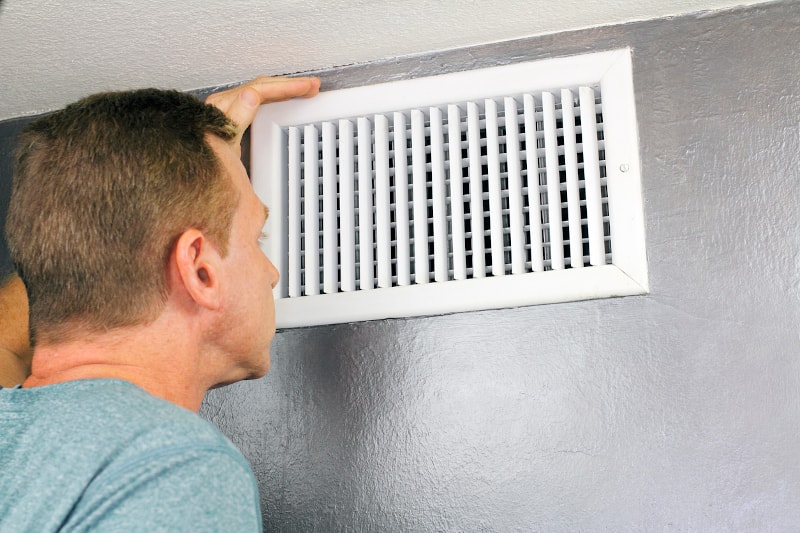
250 315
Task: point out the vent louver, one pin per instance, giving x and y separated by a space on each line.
500 187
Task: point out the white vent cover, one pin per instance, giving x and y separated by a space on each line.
501 187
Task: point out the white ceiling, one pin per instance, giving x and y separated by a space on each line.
55 52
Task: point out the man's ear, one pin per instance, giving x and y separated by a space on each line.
197 262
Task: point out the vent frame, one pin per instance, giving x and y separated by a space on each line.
625 275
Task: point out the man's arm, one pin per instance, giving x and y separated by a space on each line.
15 350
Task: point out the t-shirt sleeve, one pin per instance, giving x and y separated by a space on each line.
172 490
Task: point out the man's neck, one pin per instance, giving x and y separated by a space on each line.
168 366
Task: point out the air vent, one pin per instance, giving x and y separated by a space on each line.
501 187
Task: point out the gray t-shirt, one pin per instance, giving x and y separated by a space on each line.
104 455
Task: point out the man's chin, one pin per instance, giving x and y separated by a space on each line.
246 373
259 373
260 370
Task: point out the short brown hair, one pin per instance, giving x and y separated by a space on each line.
102 190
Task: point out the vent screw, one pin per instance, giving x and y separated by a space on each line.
624 167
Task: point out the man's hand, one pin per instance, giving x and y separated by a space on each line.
241 103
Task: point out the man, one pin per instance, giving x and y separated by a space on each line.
135 230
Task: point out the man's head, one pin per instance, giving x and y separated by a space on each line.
102 190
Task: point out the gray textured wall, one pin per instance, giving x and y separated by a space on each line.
674 411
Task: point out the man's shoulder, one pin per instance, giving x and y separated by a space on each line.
104 417
124 410
97 450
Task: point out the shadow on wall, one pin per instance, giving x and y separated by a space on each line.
8 133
